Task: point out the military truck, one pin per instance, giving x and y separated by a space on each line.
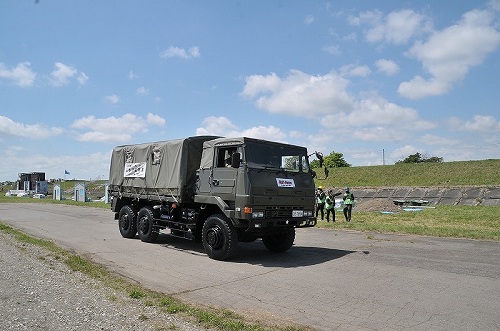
215 190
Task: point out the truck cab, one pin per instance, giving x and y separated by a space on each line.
264 188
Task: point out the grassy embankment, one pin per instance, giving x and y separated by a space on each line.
446 174
474 222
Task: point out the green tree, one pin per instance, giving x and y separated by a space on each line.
314 164
419 158
333 160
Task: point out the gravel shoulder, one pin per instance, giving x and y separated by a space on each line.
39 292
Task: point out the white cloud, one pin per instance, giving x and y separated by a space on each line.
263 132
21 75
351 70
113 99
13 150
388 67
332 49
115 129
309 19
218 126
449 54
299 94
494 5
397 27
82 78
376 119
61 74
403 152
480 123
142 90
222 126
430 139
10 128
131 75
155 119
193 52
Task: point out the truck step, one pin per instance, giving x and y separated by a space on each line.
182 234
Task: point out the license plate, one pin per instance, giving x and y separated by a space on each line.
297 213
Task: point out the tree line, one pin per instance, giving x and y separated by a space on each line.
336 160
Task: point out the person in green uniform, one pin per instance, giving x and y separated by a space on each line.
320 202
348 201
330 205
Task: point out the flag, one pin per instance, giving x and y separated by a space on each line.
66 172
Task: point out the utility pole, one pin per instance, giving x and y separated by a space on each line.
383 156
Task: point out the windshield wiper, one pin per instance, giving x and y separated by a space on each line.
266 167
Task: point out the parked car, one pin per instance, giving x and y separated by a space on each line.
39 196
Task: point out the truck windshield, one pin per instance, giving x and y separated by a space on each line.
274 156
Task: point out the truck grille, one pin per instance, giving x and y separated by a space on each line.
279 212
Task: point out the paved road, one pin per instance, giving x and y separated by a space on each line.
330 280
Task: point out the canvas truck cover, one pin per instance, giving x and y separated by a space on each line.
164 168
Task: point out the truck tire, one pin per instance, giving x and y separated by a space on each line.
145 225
280 241
127 221
219 237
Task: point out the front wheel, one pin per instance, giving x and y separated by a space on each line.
219 237
127 221
145 225
280 241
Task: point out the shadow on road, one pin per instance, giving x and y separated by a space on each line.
297 256
255 253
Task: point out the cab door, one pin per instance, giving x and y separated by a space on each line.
224 175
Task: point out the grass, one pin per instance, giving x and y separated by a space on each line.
210 318
472 222
446 174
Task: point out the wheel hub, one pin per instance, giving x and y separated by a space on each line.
215 237
124 222
143 225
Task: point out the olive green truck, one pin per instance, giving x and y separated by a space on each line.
217 191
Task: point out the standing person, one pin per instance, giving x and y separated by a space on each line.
348 201
320 202
330 205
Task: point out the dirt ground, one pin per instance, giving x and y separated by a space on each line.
378 205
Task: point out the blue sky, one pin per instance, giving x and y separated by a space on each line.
374 80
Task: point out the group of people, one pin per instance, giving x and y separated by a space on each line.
326 201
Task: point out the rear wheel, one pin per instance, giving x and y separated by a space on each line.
219 237
127 221
280 241
145 225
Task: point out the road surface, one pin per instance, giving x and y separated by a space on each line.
329 280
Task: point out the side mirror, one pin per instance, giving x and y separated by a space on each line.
319 156
235 160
